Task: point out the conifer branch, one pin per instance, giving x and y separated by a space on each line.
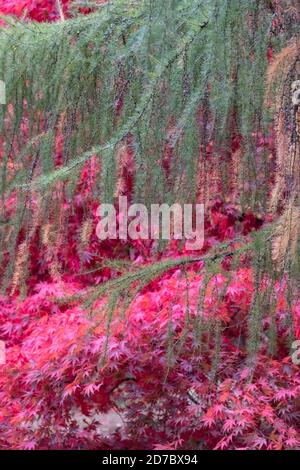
147 274
63 173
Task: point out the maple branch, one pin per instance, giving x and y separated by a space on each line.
127 379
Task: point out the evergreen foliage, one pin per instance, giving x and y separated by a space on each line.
161 79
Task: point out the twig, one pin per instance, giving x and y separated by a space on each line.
24 14
60 10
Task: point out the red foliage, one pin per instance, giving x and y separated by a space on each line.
57 387
37 10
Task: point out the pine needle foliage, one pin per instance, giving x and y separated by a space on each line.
147 75
160 58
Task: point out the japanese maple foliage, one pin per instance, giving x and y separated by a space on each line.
64 373
37 10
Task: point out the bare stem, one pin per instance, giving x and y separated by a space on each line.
60 10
